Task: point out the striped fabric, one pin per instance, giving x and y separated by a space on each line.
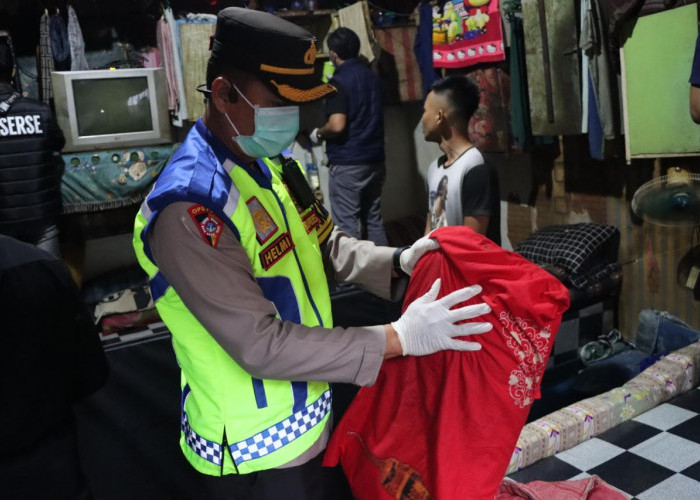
399 43
45 59
165 48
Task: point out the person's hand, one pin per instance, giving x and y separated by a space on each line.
314 138
410 256
428 325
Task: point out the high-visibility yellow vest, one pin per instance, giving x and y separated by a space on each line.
231 422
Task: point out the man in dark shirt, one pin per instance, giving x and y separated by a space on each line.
354 135
30 166
52 358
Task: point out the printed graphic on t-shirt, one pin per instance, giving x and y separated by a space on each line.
438 204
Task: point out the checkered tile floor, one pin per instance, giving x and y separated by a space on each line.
655 456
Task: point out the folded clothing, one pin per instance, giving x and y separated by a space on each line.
590 488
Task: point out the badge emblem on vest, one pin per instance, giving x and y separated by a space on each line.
311 220
265 227
209 224
276 250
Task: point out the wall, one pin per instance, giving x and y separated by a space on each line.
649 253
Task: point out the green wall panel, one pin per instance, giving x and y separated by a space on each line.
657 60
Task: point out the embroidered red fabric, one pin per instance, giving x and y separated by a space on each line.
445 426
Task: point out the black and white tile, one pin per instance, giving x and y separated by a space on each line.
655 456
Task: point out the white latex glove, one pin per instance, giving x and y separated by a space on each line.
313 136
428 325
410 256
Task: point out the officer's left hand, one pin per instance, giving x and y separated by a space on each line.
411 255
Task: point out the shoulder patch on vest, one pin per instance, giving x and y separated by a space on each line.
265 227
209 224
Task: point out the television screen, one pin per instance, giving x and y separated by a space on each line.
109 109
112 106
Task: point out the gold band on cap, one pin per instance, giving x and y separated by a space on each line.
298 95
286 71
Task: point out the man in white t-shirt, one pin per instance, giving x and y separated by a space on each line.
462 187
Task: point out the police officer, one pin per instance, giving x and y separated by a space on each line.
237 273
30 166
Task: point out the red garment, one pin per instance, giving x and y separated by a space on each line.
590 488
453 418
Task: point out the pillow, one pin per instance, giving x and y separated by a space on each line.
571 246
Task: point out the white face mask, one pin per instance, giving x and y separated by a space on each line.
275 129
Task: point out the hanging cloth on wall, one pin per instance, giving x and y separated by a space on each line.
181 111
45 59
396 42
356 17
165 49
76 43
594 42
488 125
550 32
467 33
623 10
519 102
194 51
584 72
447 424
423 46
60 48
593 127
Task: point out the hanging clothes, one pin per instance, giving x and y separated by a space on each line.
552 58
356 17
46 65
625 10
78 62
596 139
488 125
445 426
405 71
165 49
181 109
519 102
594 42
423 46
584 73
60 48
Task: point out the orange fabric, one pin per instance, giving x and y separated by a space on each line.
445 426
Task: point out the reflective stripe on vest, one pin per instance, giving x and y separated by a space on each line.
282 433
264 442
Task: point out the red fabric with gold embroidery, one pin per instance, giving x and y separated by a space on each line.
446 425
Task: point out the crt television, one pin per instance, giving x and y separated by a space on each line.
110 109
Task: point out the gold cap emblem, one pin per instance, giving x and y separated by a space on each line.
310 55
